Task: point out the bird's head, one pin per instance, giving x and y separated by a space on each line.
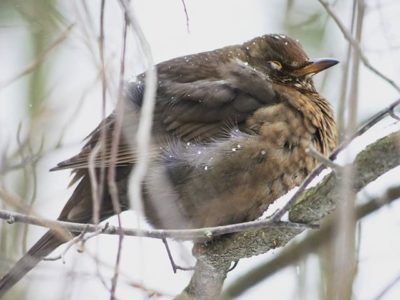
284 61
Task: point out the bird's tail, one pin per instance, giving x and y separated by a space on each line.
40 250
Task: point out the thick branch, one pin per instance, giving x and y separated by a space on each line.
293 253
206 282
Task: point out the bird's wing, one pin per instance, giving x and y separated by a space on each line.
96 155
197 110
207 108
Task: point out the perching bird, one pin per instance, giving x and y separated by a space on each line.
230 135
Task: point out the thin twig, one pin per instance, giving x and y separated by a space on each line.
125 277
171 259
395 281
151 293
87 236
175 267
186 15
234 265
93 182
22 164
70 243
33 175
146 118
39 59
340 280
102 144
103 129
141 142
324 160
113 187
187 234
393 114
26 170
345 77
356 45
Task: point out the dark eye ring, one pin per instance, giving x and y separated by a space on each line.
276 65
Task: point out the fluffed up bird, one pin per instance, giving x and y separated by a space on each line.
230 135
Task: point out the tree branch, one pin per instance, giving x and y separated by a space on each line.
296 251
189 234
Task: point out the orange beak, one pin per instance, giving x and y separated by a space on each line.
315 66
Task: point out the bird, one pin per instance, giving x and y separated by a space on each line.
230 134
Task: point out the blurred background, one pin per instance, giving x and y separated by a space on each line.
50 100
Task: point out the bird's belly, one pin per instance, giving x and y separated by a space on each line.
246 192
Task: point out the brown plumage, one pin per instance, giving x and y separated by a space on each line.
230 133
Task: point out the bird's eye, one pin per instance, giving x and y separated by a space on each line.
276 65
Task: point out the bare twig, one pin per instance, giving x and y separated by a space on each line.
388 287
119 114
114 151
125 277
70 243
33 175
87 236
22 164
186 15
356 45
39 59
151 293
343 263
393 114
29 171
175 267
103 129
324 160
345 77
93 181
188 234
146 119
